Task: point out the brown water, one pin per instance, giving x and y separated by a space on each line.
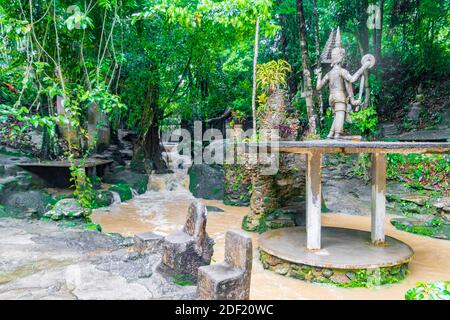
165 212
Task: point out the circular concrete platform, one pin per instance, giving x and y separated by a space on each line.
341 248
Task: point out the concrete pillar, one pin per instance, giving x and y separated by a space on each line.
313 197
378 197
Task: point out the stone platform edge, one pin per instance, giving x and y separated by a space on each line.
347 278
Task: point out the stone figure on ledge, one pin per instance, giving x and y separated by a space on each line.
340 82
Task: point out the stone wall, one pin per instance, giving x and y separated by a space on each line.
237 185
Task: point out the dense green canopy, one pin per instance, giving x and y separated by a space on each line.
153 62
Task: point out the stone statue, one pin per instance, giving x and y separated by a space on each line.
340 82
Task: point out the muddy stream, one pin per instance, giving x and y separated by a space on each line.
164 211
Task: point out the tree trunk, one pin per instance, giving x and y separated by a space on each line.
153 150
149 140
318 62
363 41
255 61
306 72
283 38
378 55
363 31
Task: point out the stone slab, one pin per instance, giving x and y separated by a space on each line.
148 242
221 272
66 164
40 260
57 173
341 249
178 238
335 146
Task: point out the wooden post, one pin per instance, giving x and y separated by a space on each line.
313 197
378 197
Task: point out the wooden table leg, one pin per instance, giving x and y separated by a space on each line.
313 203
378 197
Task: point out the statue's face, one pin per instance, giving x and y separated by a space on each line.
337 55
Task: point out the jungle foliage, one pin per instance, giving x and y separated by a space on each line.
152 63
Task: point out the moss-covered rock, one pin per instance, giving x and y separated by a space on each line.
36 202
275 220
102 199
85 223
9 212
137 181
206 181
124 191
436 227
67 209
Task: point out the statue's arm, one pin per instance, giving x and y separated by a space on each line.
321 82
353 78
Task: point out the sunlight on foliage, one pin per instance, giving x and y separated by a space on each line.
429 291
272 74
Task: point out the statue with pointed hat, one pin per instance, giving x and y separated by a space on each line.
340 81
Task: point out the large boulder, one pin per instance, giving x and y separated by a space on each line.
207 182
67 209
137 181
32 201
14 178
20 181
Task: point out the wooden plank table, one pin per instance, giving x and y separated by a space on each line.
314 151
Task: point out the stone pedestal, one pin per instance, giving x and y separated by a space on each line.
148 242
185 251
263 199
229 280
349 259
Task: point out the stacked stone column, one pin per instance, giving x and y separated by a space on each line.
271 192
